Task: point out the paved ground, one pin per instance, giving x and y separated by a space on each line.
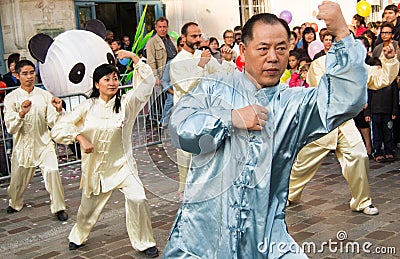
323 216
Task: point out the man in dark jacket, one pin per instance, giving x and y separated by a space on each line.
390 15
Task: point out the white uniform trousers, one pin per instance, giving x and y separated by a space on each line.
21 176
353 159
183 159
138 222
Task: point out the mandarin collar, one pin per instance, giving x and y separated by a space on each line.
111 102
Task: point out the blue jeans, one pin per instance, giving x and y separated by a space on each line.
169 101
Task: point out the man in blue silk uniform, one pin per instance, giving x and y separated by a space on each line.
245 130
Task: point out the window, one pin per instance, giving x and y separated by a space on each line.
248 8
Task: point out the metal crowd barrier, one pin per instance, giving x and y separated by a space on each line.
5 163
146 130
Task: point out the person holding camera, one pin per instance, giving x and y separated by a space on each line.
186 69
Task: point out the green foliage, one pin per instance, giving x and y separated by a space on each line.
141 24
142 43
128 76
138 44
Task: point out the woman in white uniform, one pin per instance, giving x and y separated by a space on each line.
103 127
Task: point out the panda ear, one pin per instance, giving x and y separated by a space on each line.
39 45
97 27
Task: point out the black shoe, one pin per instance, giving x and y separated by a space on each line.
151 252
11 210
389 158
73 246
62 215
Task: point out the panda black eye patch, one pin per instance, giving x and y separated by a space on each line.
111 59
77 73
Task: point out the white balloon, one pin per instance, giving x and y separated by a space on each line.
315 47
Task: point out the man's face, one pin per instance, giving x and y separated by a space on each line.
193 38
205 43
327 42
390 16
266 55
126 41
229 38
162 28
27 76
110 35
238 38
386 34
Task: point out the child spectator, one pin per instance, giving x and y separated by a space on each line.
303 61
214 48
293 66
359 24
299 78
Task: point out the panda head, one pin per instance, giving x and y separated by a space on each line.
67 62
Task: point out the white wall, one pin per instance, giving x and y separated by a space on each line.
213 17
21 19
306 10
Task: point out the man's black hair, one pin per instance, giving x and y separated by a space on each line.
186 26
266 18
392 7
22 63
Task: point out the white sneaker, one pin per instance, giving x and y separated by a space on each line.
371 210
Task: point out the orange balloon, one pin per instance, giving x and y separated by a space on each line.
314 26
314 13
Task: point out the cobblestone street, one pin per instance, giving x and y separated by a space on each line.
323 216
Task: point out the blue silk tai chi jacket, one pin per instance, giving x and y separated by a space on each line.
237 185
